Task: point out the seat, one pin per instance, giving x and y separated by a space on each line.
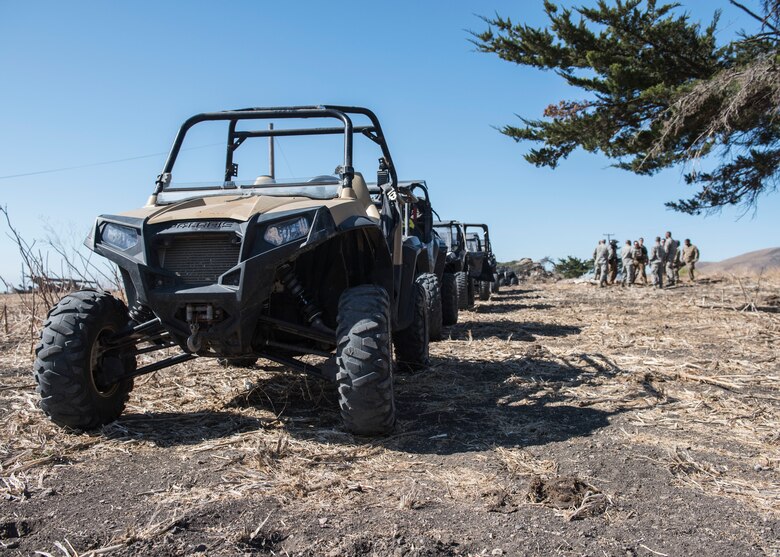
360 193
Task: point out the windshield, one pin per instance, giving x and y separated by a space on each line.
446 235
319 187
449 233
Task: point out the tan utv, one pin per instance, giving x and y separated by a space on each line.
243 269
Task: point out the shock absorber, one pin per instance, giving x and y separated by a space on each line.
309 310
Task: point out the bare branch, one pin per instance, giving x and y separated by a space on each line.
751 13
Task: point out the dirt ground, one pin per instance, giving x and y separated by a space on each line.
557 419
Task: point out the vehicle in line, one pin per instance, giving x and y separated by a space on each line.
455 268
482 260
251 266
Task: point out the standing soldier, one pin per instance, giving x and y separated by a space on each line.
641 261
601 257
678 264
596 268
670 247
613 261
627 255
689 256
657 261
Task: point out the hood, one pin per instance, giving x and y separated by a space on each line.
231 207
240 208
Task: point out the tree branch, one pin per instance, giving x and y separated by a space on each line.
751 13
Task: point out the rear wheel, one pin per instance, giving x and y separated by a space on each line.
430 284
470 288
449 299
463 295
74 365
411 344
513 281
484 290
364 360
494 287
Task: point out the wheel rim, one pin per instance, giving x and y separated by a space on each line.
96 359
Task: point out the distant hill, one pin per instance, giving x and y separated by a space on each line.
751 263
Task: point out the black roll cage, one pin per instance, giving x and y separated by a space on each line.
484 227
236 138
452 223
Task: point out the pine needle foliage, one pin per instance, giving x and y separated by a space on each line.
656 90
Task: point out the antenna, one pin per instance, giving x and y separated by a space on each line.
271 165
609 236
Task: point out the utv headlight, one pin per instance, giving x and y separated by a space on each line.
118 236
287 231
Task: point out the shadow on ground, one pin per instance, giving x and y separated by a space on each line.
508 330
514 294
456 405
166 429
507 308
459 405
469 405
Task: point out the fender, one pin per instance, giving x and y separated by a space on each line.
382 269
479 267
413 253
441 259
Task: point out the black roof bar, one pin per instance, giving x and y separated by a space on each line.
301 131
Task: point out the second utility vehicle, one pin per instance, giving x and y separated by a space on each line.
418 231
455 269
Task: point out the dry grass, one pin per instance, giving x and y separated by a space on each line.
682 373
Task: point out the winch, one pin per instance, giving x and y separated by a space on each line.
197 314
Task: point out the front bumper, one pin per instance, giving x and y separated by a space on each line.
238 296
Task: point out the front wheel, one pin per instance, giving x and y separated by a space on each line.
463 289
74 365
364 360
449 299
411 344
430 284
484 290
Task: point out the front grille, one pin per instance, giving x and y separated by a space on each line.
200 259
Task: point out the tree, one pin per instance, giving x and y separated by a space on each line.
658 91
573 267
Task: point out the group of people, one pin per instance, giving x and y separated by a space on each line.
665 256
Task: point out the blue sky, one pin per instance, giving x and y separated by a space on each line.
86 82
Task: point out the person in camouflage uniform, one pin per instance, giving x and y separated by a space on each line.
627 255
689 256
613 261
640 260
601 258
672 269
658 262
596 268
